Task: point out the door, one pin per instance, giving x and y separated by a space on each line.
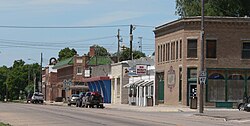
161 91
192 91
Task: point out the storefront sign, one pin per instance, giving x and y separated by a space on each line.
132 72
141 69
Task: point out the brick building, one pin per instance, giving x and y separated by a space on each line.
70 73
50 87
227 60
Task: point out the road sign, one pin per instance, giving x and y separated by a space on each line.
202 77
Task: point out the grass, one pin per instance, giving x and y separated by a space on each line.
3 124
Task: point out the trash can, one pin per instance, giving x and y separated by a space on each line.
193 102
149 101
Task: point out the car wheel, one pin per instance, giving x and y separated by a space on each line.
77 104
241 107
69 104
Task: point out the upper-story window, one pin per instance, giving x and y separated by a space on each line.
180 49
211 49
177 50
192 48
246 50
78 60
79 71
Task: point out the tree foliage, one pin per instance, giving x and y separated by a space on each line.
100 51
136 54
66 53
17 80
234 8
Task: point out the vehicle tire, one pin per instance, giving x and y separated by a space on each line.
69 104
77 104
86 105
101 106
241 107
42 102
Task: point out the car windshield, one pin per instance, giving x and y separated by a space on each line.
75 95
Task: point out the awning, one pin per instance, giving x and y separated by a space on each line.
133 83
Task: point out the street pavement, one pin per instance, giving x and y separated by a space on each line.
213 113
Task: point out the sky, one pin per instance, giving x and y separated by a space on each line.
42 26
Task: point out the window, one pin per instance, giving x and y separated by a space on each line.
246 50
211 49
79 71
168 51
180 49
192 48
164 53
161 54
177 50
172 50
158 53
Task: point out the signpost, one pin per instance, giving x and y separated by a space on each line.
202 77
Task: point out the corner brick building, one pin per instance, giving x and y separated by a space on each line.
227 60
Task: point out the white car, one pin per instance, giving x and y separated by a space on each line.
37 98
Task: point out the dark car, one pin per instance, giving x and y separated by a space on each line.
72 99
92 99
245 105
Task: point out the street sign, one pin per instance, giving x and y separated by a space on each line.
202 77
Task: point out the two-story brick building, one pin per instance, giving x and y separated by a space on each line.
227 59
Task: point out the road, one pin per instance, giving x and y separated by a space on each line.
46 115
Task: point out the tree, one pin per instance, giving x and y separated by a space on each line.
136 54
100 51
3 76
66 53
234 8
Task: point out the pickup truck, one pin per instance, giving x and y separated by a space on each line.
92 99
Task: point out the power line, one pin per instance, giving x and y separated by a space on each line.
61 27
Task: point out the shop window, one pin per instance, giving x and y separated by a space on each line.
216 76
235 86
216 87
192 48
211 49
246 50
152 90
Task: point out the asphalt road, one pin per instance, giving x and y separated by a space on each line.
47 115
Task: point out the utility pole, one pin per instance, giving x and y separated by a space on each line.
140 43
118 49
34 79
201 105
131 41
41 74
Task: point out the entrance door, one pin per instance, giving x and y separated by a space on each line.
161 91
192 91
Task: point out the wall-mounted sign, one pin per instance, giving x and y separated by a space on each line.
141 69
87 73
132 72
171 78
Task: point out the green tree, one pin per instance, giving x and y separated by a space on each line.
66 53
3 76
125 54
234 8
100 51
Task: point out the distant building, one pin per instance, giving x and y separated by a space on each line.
227 60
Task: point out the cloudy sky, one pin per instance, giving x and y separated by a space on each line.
27 37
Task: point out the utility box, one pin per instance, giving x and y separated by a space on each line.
193 102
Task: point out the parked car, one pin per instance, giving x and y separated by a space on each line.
245 105
92 99
79 100
36 97
72 99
